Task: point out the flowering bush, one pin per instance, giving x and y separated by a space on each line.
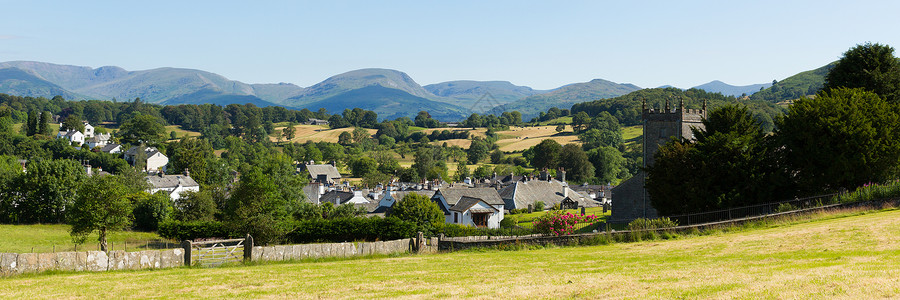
872 191
558 223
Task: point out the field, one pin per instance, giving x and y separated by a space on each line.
850 256
315 133
181 132
46 238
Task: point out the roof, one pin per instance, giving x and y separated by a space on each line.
522 193
507 178
170 181
100 138
109 147
149 150
466 203
453 195
398 195
328 170
331 196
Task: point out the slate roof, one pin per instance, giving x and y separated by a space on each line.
453 195
522 193
466 203
109 147
328 170
170 181
331 196
151 151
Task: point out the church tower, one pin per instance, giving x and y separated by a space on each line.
629 199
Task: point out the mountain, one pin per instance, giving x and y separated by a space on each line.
564 97
716 86
276 92
469 92
162 85
389 103
15 81
803 84
357 79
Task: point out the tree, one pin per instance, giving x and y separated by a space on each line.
150 209
192 155
419 210
608 163
593 138
462 171
73 122
47 189
43 123
31 125
289 132
545 154
101 205
561 128
423 161
143 129
345 138
360 134
195 206
496 156
374 178
576 164
872 67
843 138
363 165
477 151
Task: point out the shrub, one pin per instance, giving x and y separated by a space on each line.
648 224
150 210
558 223
457 230
539 206
872 191
350 229
419 210
509 221
179 230
785 207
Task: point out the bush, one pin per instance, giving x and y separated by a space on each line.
509 222
539 206
558 223
350 229
419 210
457 230
179 230
785 207
150 210
646 224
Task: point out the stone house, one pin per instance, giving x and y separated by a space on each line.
525 193
482 207
156 160
98 140
174 185
325 173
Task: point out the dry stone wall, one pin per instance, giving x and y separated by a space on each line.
93 261
314 251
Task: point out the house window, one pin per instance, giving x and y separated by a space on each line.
481 220
455 217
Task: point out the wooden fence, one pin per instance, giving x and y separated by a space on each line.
215 253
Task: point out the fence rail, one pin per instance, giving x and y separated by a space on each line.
216 252
753 210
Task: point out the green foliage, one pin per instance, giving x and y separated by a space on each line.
478 150
482 171
72 122
795 87
651 224
458 230
195 206
872 191
841 139
609 164
350 229
509 221
462 171
142 128
289 131
871 67
363 165
191 230
264 200
101 205
539 205
150 209
45 191
575 162
419 210
545 155
193 155
558 223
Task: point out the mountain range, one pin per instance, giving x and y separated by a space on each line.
390 93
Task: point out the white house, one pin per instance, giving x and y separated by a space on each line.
98 140
88 130
486 202
174 185
74 136
155 159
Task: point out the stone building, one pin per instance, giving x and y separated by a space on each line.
629 199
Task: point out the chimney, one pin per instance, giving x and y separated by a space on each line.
565 190
561 175
88 170
544 175
187 172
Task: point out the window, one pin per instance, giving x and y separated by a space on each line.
480 220
455 217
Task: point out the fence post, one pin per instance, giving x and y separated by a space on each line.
186 244
248 248
420 242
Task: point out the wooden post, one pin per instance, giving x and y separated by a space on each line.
420 242
248 248
186 244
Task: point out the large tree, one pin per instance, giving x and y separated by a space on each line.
419 210
545 154
47 188
101 205
574 161
872 67
143 129
843 138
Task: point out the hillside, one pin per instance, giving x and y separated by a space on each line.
389 103
469 92
357 79
566 96
802 84
18 82
716 86
848 256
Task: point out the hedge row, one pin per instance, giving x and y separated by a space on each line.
351 229
193 230
456 230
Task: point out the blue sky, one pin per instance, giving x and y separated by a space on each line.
539 44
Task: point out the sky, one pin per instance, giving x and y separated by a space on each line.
541 44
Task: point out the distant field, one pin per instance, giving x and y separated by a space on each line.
180 132
46 238
522 138
853 257
315 133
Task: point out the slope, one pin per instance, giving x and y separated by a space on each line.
802 84
357 79
566 96
468 92
389 103
15 81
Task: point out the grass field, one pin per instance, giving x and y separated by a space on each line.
855 256
46 238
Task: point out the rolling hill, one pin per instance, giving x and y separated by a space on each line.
469 92
357 79
566 96
15 81
716 86
802 84
389 103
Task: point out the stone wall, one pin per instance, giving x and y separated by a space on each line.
93 261
314 251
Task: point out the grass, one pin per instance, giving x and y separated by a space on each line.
47 238
847 256
525 219
181 132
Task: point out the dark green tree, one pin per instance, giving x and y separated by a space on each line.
150 209
545 154
47 190
72 122
101 205
575 162
419 210
195 206
478 150
872 67
143 128
609 164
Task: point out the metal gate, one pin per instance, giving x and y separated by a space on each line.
215 253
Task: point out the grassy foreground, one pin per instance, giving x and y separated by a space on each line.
856 256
